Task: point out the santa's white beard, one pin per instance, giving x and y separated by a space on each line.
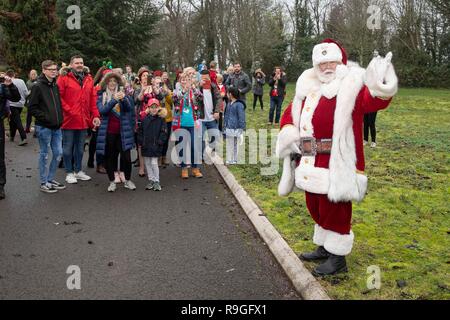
331 80
326 76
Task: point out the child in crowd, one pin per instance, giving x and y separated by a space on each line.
234 124
223 99
152 136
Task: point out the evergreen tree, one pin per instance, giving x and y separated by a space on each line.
122 31
30 32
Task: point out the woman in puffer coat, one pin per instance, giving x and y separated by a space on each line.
116 133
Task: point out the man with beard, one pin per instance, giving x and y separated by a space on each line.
79 104
321 143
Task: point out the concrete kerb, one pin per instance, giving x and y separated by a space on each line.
304 282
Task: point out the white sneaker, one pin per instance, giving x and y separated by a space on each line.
373 145
112 187
71 179
82 176
130 185
365 143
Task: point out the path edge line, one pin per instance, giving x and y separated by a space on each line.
304 282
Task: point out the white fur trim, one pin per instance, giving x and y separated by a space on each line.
343 180
312 179
326 52
286 185
344 184
320 235
339 244
286 137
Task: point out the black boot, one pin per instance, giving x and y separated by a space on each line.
2 193
319 254
334 264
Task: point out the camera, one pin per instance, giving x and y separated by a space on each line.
2 79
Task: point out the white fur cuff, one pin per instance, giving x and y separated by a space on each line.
287 136
287 178
339 244
335 243
320 235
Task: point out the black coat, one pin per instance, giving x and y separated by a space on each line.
152 136
44 104
281 85
10 93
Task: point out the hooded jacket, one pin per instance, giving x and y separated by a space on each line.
78 101
153 134
45 104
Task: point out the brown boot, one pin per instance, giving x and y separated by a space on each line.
196 173
165 161
101 169
184 173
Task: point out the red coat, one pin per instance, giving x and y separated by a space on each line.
79 103
323 123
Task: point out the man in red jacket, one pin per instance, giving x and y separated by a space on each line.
321 143
79 104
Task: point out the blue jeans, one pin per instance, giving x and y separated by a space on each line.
275 103
53 139
181 146
214 134
73 149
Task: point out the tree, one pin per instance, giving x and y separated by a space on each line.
122 31
30 32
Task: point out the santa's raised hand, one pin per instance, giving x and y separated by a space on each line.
381 78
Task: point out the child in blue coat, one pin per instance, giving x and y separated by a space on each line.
234 124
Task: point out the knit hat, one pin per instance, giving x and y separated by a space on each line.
329 51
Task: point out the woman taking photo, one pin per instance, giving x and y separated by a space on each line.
116 133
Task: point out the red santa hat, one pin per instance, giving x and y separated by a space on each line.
328 51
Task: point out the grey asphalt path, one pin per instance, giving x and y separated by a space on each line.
191 241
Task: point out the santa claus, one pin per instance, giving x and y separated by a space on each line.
321 142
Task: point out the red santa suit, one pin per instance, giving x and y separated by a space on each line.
335 111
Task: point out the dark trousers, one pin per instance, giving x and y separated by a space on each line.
112 152
29 120
261 103
276 103
93 150
2 155
15 124
166 144
369 124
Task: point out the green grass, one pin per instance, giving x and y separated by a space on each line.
403 226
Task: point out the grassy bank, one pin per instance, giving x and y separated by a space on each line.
403 226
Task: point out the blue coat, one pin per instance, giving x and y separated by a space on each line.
234 117
127 121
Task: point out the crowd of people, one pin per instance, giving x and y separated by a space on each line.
118 110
